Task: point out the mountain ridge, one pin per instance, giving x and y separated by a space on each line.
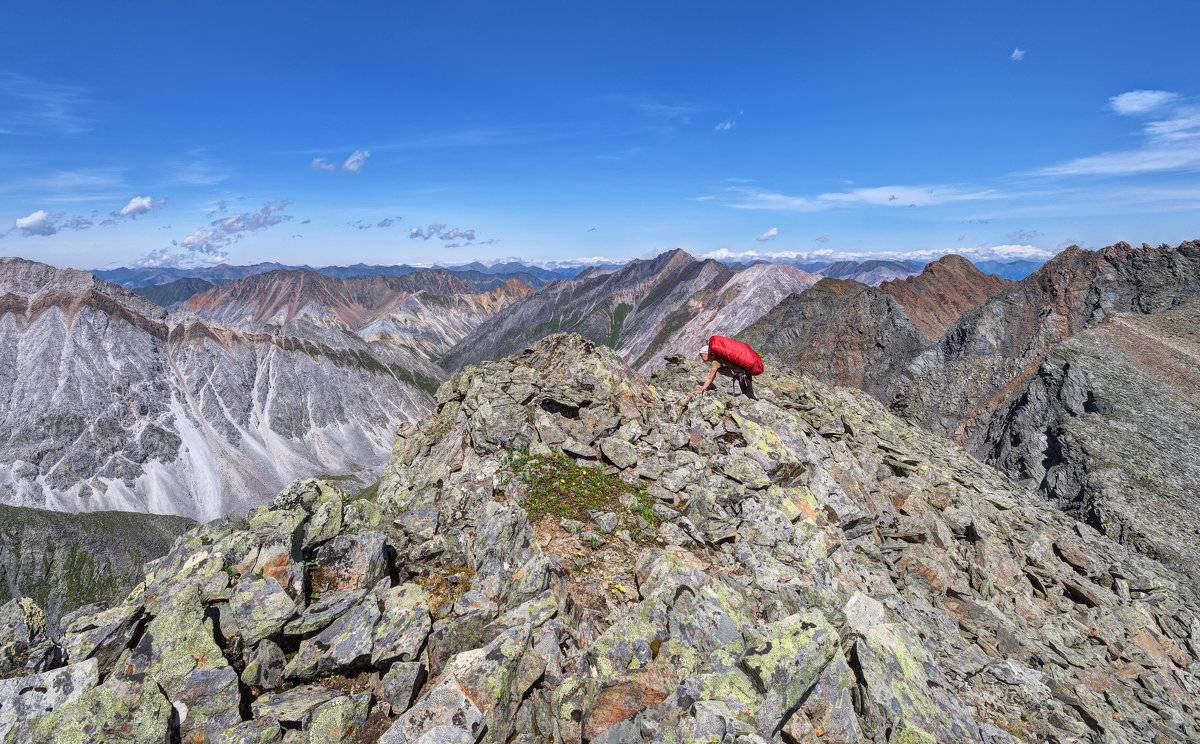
567 549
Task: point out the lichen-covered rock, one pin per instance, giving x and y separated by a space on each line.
400 684
24 699
123 710
345 645
323 611
181 657
350 562
25 644
447 704
404 624
260 608
264 730
264 669
294 706
339 720
101 634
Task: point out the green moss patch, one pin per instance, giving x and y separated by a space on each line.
560 488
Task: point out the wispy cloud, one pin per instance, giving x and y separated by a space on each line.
200 171
1136 102
31 106
1170 138
356 161
740 197
386 222
321 164
724 126
768 235
1017 55
440 231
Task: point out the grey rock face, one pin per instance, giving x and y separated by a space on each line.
176 414
24 699
25 643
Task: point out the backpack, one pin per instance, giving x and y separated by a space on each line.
736 352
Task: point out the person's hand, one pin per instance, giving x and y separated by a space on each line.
698 390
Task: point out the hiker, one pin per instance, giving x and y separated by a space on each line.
728 369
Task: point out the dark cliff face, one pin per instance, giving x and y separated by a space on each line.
1109 428
840 332
65 561
957 383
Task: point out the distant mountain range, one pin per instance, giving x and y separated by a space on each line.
844 332
484 277
109 402
423 312
645 310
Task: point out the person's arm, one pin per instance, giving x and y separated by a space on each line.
712 375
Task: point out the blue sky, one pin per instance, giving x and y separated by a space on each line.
322 133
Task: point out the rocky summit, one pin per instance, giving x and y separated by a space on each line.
569 551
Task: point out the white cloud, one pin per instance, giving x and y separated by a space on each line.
1141 101
44 223
356 161
139 205
1170 139
40 222
205 245
1017 55
321 164
982 253
724 126
768 235
883 196
432 231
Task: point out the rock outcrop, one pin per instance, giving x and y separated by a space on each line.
568 551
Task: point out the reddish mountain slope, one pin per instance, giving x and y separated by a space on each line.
936 298
279 296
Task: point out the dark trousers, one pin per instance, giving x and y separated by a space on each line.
744 380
